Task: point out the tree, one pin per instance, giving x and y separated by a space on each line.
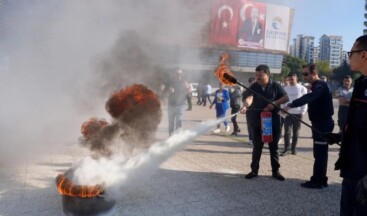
290 64
340 72
324 68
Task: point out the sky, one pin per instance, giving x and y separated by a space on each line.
331 17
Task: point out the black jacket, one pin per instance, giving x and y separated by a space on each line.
235 98
319 100
353 152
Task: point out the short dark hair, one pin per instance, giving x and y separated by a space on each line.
291 74
362 42
264 68
312 68
347 77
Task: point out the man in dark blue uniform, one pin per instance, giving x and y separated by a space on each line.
274 92
353 152
320 112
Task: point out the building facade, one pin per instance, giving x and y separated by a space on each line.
331 49
304 48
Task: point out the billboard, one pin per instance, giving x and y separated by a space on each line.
250 24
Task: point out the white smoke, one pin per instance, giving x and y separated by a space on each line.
55 50
119 175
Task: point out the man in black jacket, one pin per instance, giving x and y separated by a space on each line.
320 112
352 161
273 92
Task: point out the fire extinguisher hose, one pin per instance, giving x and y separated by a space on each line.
234 81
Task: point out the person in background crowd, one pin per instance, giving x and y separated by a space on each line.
274 92
250 130
324 78
284 84
352 161
200 93
235 103
294 91
207 92
220 101
285 81
344 94
189 96
177 90
320 112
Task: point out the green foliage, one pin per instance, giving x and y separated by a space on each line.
324 69
340 72
290 64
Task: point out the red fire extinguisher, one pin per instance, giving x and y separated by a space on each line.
266 127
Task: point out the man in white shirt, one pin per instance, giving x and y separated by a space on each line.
294 91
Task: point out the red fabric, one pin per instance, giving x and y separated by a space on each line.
224 26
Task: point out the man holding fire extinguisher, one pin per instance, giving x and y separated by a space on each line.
320 112
265 118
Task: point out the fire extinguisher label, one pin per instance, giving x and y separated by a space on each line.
267 127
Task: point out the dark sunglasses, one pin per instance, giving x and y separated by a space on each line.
353 51
305 74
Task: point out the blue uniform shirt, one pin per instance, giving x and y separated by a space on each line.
319 100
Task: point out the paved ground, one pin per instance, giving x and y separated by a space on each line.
206 178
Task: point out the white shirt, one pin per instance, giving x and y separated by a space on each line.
295 92
345 93
208 89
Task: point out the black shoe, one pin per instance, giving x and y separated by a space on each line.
251 175
188 109
234 134
294 152
284 153
238 130
312 185
278 176
325 184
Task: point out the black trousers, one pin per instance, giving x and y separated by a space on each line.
349 206
258 147
234 119
291 126
342 116
320 150
206 96
249 127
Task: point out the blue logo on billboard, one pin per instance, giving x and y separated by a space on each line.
277 23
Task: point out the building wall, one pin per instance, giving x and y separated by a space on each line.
304 48
331 50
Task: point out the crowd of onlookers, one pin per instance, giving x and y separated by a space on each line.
285 105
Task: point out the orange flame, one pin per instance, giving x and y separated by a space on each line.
130 99
222 69
66 187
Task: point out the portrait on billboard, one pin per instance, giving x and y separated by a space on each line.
252 25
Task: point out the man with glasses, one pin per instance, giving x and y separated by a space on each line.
320 112
352 161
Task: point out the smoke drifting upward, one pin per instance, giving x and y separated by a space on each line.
136 112
130 60
66 57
